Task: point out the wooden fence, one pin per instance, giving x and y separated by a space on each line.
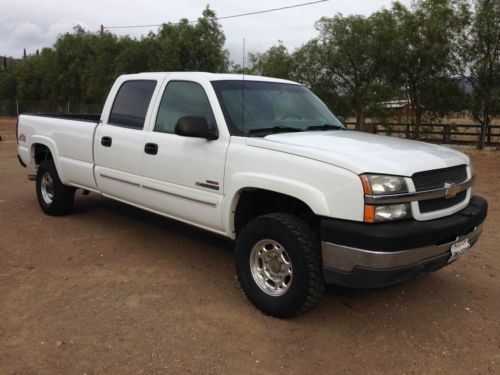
458 134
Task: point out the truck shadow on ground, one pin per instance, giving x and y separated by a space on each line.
94 202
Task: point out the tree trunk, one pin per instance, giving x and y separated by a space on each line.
418 119
415 107
485 122
361 119
482 134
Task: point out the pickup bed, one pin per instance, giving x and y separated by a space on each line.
264 162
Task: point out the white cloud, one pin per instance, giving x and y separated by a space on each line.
29 36
26 34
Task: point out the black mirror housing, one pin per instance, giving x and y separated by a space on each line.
195 126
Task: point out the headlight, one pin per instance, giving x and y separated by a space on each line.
386 213
382 184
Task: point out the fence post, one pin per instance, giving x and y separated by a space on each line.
17 107
67 110
446 133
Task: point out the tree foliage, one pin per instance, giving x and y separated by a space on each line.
421 49
478 61
354 57
82 65
442 56
275 62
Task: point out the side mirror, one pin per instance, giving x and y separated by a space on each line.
195 126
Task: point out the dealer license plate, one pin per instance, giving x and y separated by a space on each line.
458 249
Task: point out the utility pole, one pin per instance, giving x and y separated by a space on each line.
102 29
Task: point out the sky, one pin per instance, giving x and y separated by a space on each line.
34 24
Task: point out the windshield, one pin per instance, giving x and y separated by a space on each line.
272 107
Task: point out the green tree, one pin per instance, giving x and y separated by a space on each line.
81 66
275 62
422 48
98 67
354 56
187 47
478 62
29 79
307 65
136 56
8 81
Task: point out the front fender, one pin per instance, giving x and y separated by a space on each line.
328 190
311 196
304 192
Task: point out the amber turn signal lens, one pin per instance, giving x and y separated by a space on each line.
369 216
367 188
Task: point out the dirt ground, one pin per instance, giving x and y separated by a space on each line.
112 289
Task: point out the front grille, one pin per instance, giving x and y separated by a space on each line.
441 203
436 178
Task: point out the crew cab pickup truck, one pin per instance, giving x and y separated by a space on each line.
264 162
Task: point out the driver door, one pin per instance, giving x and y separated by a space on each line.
183 176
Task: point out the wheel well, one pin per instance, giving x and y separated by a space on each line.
41 153
256 202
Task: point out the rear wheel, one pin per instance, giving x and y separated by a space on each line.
278 261
54 197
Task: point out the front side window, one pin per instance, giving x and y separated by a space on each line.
269 106
182 98
131 104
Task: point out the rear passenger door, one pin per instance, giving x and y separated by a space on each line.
119 141
183 177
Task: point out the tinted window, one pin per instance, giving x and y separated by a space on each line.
131 104
182 99
270 104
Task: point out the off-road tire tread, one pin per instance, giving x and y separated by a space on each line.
63 195
308 241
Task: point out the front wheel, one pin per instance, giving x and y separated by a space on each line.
54 197
278 262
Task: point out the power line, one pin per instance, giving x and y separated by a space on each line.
226 17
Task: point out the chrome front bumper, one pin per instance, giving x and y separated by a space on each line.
346 259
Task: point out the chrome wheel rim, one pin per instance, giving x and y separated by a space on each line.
271 267
47 187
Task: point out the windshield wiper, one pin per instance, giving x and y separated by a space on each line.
325 127
275 129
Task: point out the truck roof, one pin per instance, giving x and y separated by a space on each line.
207 76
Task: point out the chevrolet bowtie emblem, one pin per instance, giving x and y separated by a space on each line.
451 189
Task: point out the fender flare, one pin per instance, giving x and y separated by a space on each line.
51 145
308 194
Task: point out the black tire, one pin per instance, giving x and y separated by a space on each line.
302 246
62 195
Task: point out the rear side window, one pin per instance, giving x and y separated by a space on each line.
182 98
131 104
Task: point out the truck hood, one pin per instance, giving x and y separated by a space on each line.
363 152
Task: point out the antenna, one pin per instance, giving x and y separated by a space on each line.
243 91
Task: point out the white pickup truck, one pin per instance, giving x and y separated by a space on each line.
264 162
